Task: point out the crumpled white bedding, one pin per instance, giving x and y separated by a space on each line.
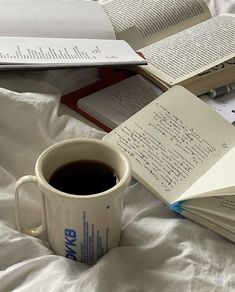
159 250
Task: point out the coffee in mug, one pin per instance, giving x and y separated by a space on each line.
84 177
82 182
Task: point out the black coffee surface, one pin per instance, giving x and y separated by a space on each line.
83 178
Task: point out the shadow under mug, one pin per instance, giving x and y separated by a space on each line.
81 228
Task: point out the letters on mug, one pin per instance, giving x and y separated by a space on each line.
70 242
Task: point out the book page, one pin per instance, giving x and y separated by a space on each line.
66 19
118 102
222 217
211 223
223 206
142 22
219 177
220 75
173 141
224 66
65 52
218 220
192 51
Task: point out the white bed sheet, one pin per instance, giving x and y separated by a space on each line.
159 250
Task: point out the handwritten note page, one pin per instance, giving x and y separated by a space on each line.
115 104
217 180
173 141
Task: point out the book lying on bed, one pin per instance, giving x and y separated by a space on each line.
118 94
54 19
27 52
199 58
59 34
184 152
106 77
114 104
180 40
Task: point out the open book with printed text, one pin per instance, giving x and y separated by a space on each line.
181 41
183 45
184 152
59 34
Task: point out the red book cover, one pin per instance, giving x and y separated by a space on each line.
108 76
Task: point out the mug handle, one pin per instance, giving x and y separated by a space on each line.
37 231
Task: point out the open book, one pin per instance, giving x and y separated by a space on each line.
58 34
114 104
184 152
108 104
180 40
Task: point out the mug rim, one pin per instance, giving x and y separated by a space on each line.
122 182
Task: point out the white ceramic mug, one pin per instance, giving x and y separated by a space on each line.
81 228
